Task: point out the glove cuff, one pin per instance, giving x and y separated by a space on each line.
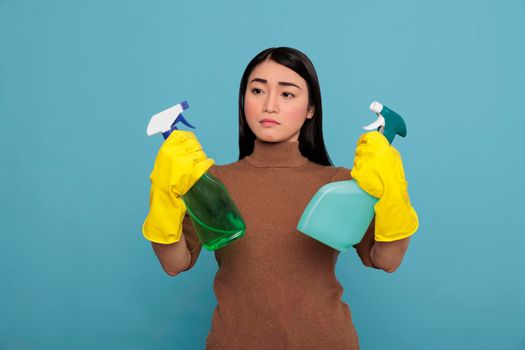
164 221
388 230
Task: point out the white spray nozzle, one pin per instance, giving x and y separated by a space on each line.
376 107
162 121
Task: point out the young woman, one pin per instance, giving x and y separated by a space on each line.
276 287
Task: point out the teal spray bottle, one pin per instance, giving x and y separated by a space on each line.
340 212
213 213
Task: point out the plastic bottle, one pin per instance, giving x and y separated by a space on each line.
214 215
340 212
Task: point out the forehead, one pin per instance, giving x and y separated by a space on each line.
275 72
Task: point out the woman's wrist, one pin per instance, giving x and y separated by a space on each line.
174 257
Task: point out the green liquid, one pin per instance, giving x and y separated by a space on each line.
215 217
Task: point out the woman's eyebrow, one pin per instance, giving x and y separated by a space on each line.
283 83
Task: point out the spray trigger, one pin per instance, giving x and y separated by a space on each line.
379 123
183 120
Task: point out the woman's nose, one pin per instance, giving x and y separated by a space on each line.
270 104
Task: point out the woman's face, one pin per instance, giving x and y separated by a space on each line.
275 92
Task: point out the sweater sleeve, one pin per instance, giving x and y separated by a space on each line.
362 248
192 241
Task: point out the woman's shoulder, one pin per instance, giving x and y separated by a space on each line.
329 172
341 173
219 170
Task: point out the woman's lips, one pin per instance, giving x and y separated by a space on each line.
269 122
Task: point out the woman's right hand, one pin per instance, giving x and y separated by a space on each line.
180 163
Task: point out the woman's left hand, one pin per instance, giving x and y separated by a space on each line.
378 170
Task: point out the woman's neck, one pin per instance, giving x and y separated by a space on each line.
276 154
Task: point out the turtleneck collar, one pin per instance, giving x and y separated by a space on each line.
276 155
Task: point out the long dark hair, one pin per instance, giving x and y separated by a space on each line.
311 143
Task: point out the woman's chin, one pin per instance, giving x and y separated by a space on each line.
268 136
274 135
268 139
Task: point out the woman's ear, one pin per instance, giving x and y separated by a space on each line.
310 114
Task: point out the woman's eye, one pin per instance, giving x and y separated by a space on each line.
288 94
256 91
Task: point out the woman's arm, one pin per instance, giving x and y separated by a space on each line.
175 257
386 256
389 255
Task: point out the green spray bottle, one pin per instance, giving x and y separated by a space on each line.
214 215
340 212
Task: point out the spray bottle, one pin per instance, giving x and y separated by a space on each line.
340 212
215 217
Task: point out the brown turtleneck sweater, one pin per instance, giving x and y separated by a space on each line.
276 287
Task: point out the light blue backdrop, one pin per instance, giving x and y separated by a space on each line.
79 81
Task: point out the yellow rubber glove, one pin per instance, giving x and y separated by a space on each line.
180 163
378 170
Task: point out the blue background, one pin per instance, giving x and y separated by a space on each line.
79 81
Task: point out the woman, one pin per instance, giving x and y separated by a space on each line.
276 288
